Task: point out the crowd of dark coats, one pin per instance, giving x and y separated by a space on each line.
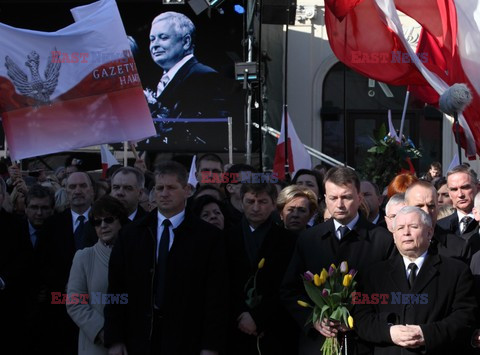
35 262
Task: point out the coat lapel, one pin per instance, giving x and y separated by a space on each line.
426 273
398 273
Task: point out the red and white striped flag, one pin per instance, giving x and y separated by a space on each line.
368 37
108 159
71 88
298 157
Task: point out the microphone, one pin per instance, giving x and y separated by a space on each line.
455 99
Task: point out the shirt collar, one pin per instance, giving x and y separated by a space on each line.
132 216
174 220
31 229
75 215
350 225
173 70
460 215
418 261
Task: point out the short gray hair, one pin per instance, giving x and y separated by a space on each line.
394 200
182 24
424 217
463 169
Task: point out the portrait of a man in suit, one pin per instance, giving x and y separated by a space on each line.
187 88
429 306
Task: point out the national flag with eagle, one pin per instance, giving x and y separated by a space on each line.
368 37
71 88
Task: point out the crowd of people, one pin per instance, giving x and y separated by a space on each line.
142 262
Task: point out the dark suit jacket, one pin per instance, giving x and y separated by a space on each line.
451 225
56 248
446 318
270 316
140 213
14 267
317 248
459 246
196 296
194 91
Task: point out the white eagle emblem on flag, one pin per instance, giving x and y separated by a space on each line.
37 88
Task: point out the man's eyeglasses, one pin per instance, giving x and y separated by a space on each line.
97 222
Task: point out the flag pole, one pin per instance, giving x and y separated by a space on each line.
457 136
125 151
345 98
285 103
405 104
230 140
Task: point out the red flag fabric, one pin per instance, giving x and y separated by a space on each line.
71 88
449 44
298 157
363 42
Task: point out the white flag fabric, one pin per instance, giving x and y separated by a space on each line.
470 29
192 178
107 157
71 88
391 128
298 157
455 162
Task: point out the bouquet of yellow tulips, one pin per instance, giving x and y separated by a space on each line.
331 294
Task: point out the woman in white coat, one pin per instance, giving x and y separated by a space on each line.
88 282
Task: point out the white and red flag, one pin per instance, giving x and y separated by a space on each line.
367 36
71 88
298 157
108 159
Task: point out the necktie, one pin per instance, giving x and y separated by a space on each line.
162 84
343 230
161 269
78 235
33 238
464 223
413 274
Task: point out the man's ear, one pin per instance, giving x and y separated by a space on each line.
380 199
187 42
188 190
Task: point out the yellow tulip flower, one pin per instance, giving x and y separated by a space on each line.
347 280
261 263
317 280
324 274
350 322
303 304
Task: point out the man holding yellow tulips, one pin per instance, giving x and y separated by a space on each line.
404 325
346 236
259 251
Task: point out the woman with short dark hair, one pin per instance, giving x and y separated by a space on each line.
88 281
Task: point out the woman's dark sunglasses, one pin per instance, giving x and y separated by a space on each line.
98 221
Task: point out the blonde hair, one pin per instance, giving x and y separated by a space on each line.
292 191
